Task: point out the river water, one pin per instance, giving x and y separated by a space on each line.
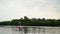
29 30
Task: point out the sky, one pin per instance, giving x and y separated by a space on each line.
15 9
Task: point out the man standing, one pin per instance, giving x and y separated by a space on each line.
18 25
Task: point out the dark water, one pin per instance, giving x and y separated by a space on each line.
29 30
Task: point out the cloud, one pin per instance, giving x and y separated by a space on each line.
10 9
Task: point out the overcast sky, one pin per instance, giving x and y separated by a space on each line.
15 9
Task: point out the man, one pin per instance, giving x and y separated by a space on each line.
18 25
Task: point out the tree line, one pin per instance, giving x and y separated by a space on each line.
32 22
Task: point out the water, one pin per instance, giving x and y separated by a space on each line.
29 30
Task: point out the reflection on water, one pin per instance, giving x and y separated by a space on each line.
25 30
30 30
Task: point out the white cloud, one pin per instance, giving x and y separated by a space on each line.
10 9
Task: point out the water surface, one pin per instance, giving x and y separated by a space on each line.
29 30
